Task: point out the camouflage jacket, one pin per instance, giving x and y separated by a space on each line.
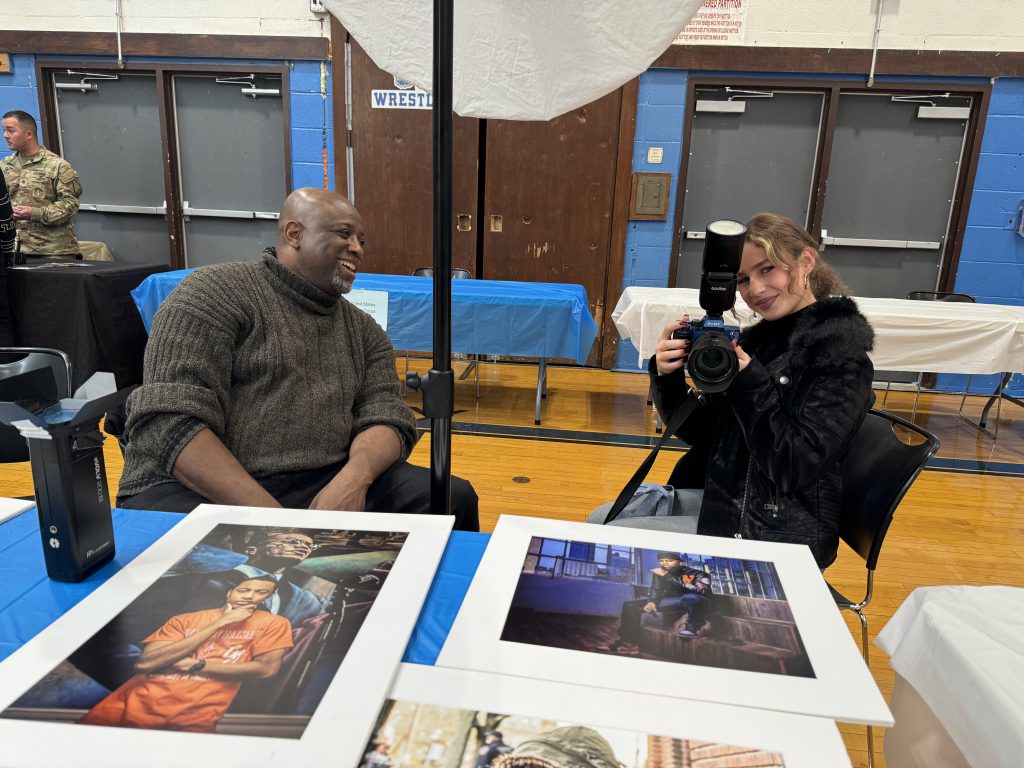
48 184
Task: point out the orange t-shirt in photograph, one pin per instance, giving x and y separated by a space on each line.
182 702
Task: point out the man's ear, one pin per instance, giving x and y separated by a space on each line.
293 233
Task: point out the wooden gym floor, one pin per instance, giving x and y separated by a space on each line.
961 523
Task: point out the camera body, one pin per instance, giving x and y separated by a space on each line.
712 363
697 328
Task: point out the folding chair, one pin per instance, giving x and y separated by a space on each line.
877 473
37 374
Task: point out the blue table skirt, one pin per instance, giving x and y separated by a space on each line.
489 317
30 602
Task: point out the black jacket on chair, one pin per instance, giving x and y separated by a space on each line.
768 450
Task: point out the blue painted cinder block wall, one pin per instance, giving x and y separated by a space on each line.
312 126
992 259
660 112
18 89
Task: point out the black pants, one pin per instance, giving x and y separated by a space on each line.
693 605
402 488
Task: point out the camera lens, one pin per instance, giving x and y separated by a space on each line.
712 363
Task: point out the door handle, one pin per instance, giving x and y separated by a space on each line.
868 242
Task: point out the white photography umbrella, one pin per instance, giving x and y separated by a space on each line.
519 59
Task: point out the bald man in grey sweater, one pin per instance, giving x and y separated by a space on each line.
262 387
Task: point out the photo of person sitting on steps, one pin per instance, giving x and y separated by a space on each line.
675 589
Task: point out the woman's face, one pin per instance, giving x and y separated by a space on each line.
770 291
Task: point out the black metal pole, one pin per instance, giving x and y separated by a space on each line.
442 375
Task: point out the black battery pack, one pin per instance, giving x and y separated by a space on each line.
70 479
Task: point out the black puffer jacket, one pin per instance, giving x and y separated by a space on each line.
768 450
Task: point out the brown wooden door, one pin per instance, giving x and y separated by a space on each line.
548 200
551 183
393 177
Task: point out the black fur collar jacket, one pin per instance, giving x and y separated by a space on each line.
768 450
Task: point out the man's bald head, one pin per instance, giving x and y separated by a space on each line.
320 236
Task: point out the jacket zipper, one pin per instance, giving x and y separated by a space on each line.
743 506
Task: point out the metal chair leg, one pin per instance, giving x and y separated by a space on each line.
885 397
865 646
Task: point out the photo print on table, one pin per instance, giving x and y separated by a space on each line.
427 735
241 635
446 718
662 605
731 621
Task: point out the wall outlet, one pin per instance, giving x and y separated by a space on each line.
317 6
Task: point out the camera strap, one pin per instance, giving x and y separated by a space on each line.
682 413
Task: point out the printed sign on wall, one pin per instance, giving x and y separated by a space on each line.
413 98
718 22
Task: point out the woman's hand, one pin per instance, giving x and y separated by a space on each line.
671 354
742 357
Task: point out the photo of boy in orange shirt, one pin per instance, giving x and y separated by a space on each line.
191 668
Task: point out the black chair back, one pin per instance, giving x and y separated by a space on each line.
877 473
35 377
965 298
457 273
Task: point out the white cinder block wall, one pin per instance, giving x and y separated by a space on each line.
981 25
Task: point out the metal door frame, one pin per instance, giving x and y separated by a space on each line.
173 125
980 92
46 68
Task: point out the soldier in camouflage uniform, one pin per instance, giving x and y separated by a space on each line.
7 237
44 190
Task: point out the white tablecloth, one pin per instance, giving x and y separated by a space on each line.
938 337
962 649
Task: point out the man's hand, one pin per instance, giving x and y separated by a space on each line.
346 492
659 571
233 615
184 665
22 212
651 608
372 451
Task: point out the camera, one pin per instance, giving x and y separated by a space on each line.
712 363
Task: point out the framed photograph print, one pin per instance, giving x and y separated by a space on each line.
445 717
242 636
732 621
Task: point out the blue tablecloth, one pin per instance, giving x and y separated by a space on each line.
30 602
489 317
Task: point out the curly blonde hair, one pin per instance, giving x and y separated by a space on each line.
783 241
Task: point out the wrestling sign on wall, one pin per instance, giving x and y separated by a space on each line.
403 96
717 22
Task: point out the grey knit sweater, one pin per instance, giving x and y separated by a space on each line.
282 372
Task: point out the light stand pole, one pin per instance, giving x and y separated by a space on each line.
439 384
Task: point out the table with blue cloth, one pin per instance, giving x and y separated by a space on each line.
489 317
30 602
